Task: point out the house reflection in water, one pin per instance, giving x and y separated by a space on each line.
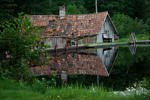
82 62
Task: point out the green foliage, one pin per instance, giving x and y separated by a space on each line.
75 7
7 9
132 8
14 91
147 9
38 6
145 83
126 25
42 84
148 23
72 9
39 86
17 39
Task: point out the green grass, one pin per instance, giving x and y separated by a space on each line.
122 40
10 90
142 37
138 37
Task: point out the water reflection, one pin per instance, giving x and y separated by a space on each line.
80 62
132 49
129 69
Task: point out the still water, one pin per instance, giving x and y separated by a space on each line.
117 67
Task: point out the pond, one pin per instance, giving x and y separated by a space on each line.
113 67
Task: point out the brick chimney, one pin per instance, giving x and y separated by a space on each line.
62 12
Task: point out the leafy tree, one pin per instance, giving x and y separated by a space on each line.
51 6
78 5
38 6
132 8
125 25
147 9
139 8
148 23
17 39
72 9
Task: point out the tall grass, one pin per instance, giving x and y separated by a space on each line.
10 90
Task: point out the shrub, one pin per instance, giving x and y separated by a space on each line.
17 39
40 85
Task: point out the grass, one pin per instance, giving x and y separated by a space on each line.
10 90
143 37
138 37
122 40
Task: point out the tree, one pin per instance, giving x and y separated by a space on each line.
147 9
126 25
7 9
72 9
148 23
17 39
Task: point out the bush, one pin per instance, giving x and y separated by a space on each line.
17 41
40 86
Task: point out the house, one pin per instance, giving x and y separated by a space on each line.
66 30
84 62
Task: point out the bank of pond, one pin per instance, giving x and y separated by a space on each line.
12 90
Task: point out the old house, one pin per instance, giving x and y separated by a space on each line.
67 30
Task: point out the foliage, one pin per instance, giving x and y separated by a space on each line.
7 9
38 6
148 23
147 9
39 86
11 90
17 39
126 25
145 83
72 9
132 8
42 84
126 7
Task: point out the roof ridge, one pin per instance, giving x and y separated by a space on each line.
73 14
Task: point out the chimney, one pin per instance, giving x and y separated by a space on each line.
62 12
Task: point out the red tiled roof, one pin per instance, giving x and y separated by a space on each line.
76 25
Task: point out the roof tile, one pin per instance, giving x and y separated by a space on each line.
87 24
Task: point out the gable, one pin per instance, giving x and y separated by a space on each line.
111 24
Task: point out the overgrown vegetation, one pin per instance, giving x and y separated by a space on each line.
18 46
9 89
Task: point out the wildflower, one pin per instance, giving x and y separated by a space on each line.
58 96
